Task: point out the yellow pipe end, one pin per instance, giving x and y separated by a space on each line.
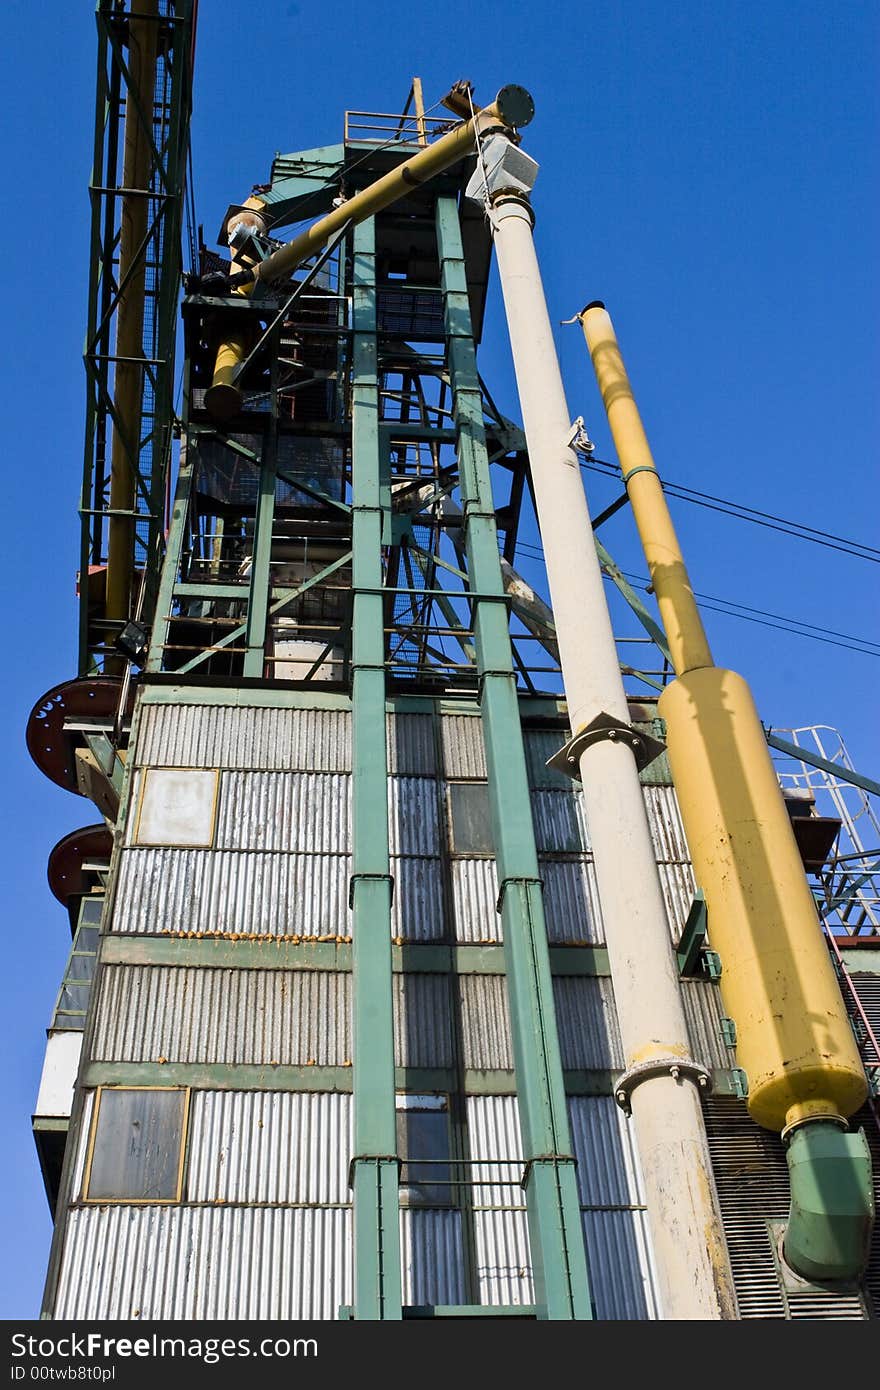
223 399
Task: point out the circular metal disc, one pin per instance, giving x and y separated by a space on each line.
516 105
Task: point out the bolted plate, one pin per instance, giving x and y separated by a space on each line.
515 104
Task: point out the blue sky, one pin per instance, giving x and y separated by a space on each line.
710 170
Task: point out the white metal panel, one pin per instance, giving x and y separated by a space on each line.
503 1259
233 736
559 821
292 1017
413 826
60 1065
589 1037
474 894
604 1142
305 811
168 890
571 901
176 807
664 819
619 1262
494 1137
152 1262
417 903
269 1146
432 1258
422 1021
464 754
485 1023
677 882
411 745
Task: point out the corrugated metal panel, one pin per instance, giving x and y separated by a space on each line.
677 882
422 1021
494 1135
589 1037
619 1264
411 749
703 1011
309 812
82 1148
205 1262
571 900
560 825
503 1259
474 894
417 904
236 1016
605 1148
664 819
867 987
485 1024
269 1146
232 891
539 745
307 740
412 815
432 1257
463 752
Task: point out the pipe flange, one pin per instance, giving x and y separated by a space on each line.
676 1067
644 748
829 1117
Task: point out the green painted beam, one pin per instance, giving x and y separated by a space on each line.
375 1164
557 1244
857 779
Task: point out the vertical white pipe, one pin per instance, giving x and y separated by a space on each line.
688 1239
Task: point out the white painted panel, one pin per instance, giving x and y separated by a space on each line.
177 807
59 1073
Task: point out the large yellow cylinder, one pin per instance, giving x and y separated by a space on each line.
794 1039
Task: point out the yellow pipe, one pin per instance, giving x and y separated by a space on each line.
794 1039
128 381
222 399
688 644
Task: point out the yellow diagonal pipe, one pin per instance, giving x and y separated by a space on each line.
793 1036
222 397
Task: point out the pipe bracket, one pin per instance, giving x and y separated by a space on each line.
644 747
676 1067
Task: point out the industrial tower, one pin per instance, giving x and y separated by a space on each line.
392 990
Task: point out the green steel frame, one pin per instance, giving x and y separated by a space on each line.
146 439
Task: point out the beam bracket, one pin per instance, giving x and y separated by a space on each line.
644 747
375 878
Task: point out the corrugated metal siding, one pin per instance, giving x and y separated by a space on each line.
677 882
503 1260
605 1148
560 823
432 1257
541 744
571 900
235 1016
422 1021
867 987
308 812
205 1262
485 1023
232 736
464 754
619 1264
417 903
703 1011
411 745
494 1135
474 894
269 1146
413 825
589 1037
232 891
664 819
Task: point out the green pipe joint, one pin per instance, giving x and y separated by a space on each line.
832 1202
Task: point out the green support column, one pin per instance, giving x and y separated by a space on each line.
173 554
375 1174
555 1230
258 588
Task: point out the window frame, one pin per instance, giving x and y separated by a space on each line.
442 1106
93 1135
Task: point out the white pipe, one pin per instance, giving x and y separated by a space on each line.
688 1239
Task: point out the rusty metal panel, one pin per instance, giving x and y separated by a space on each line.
667 830
703 1011
171 890
282 1147
494 1137
485 1023
677 882
309 812
560 823
432 1257
504 1270
571 900
422 1021
292 1018
233 736
413 822
464 754
474 894
153 1262
589 1036
411 750
417 904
